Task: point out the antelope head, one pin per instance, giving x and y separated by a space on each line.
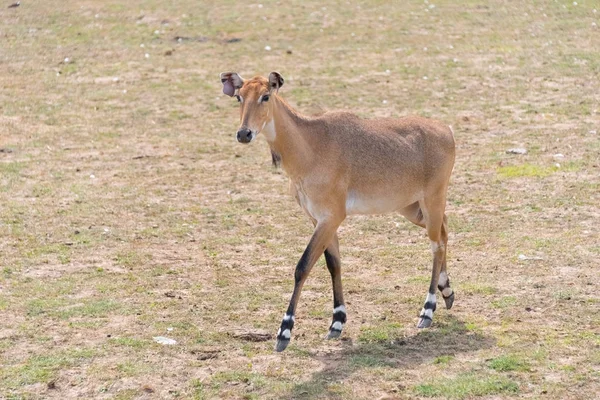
253 95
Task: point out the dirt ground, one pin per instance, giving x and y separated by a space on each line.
128 211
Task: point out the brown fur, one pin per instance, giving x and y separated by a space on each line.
340 164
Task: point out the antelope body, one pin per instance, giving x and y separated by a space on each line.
339 165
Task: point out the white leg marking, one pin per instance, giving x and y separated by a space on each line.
428 313
279 331
287 317
443 279
430 298
286 334
337 325
341 308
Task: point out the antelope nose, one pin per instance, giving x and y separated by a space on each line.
244 135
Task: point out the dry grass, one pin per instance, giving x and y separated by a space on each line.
128 209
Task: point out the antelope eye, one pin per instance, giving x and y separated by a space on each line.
239 99
265 98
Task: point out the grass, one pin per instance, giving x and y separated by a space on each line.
129 211
525 170
467 386
509 363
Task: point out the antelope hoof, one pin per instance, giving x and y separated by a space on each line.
283 339
281 345
333 334
449 301
424 322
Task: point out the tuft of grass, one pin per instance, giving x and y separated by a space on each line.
467 385
43 367
504 302
129 342
476 288
379 333
445 359
525 170
509 363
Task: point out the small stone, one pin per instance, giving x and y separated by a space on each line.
517 150
147 389
268 48
558 156
164 340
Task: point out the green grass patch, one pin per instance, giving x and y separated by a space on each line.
129 342
467 385
43 367
445 359
504 302
508 363
525 170
379 333
471 288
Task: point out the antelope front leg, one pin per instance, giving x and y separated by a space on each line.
321 238
332 257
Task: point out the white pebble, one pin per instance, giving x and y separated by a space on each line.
67 60
557 165
156 32
558 155
142 45
574 3
260 6
432 6
387 71
92 176
147 55
424 48
384 101
425 78
268 48
164 340
592 132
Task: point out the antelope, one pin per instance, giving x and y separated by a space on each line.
339 164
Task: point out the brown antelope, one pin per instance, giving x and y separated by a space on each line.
339 165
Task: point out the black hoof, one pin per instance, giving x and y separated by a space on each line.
281 345
449 301
424 323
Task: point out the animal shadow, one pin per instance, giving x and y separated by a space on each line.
448 337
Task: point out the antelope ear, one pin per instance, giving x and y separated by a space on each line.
275 81
231 82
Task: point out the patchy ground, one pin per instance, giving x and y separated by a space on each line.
128 211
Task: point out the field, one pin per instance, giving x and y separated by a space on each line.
128 210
